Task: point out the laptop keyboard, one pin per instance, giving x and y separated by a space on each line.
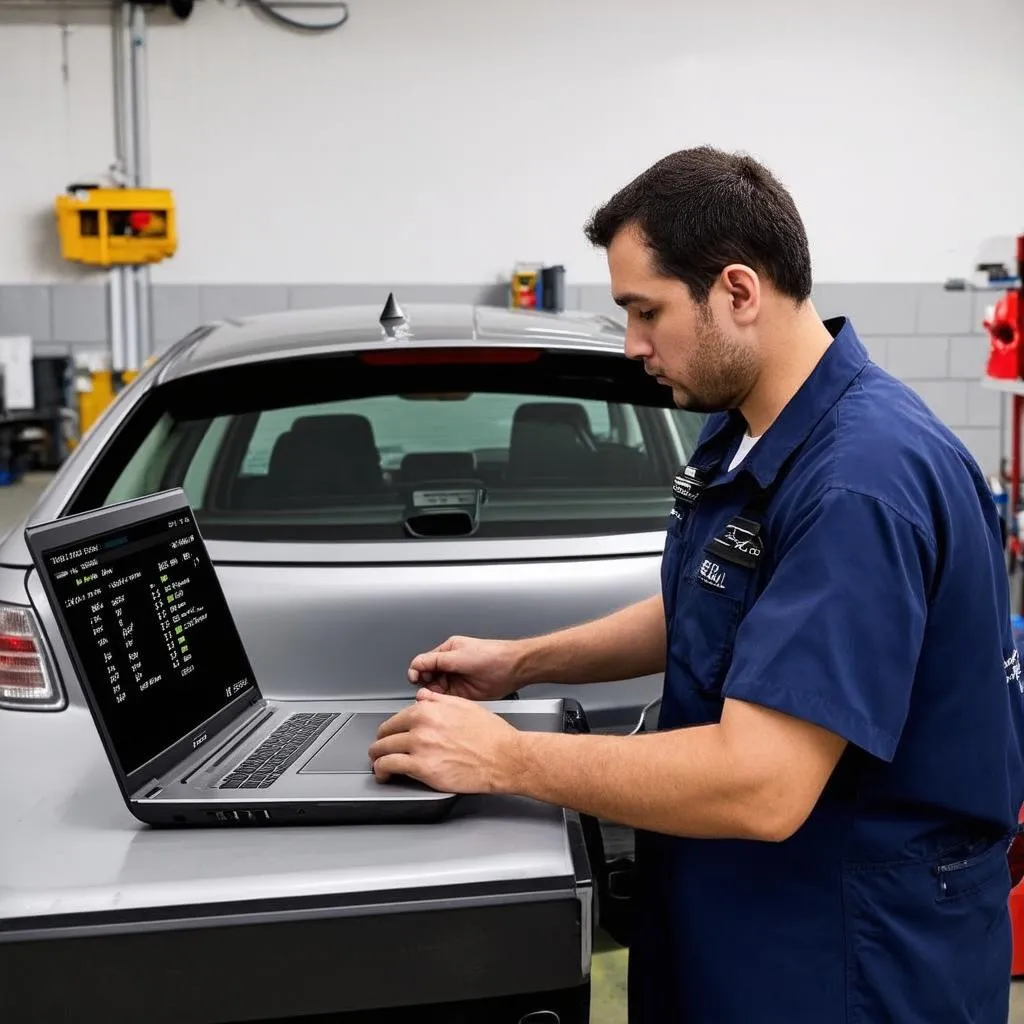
281 749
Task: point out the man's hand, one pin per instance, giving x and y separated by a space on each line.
448 743
467 667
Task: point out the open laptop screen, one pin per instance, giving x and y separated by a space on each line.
152 631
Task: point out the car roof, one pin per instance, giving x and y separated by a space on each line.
297 333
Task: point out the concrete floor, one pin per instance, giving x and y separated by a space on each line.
17 499
609 991
608 1004
609 966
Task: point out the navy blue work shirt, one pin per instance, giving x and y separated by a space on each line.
848 572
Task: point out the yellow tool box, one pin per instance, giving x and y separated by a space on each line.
109 227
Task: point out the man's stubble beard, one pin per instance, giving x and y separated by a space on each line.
722 375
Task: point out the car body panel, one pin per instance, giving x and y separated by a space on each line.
311 332
383 607
75 848
13 583
357 627
439 552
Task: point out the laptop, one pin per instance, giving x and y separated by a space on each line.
187 730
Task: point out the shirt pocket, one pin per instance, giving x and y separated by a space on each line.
710 602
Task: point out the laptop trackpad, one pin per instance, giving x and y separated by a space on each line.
346 752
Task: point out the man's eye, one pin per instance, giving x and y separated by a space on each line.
646 314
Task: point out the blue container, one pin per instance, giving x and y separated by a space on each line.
1002 500
1017 625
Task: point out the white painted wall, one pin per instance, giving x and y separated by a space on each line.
56 127
440 141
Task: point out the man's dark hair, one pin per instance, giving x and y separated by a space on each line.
700 210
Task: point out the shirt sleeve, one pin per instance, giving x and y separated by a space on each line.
835 635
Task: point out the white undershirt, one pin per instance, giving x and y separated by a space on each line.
746 443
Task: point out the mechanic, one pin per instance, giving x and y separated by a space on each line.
825 811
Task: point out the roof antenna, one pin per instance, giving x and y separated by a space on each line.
392 319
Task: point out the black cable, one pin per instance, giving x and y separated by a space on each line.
267 8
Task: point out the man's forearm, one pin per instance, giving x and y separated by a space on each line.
687 782
623 645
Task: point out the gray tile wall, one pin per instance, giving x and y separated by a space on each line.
927 336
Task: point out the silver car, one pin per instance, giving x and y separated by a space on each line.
367 485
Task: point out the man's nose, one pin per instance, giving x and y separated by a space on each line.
637 346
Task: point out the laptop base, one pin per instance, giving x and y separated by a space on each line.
332 783
257 813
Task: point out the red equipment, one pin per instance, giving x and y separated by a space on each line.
1016 859
1006 362
1004 338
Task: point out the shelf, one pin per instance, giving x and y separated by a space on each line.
1010 387
959 285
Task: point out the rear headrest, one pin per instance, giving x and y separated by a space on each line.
324 455
352 434
301 468
550 440
570 413
438 465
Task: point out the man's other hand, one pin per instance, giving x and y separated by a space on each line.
464 666
448 743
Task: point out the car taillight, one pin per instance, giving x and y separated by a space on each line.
25 677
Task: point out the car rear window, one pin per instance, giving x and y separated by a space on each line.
399 445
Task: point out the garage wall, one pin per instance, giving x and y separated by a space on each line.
431 145
441 141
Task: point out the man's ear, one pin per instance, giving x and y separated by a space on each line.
743 288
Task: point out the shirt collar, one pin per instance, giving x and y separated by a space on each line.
840 365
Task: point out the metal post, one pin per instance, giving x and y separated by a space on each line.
115 279
120 87
121 325
131 319
127 108
140 161
115 305
144 313
125 331
131 323
140 96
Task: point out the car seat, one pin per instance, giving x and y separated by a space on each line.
323 456
550 442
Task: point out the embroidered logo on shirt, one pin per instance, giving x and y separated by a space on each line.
1012 667
712 574
740 542
687 484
